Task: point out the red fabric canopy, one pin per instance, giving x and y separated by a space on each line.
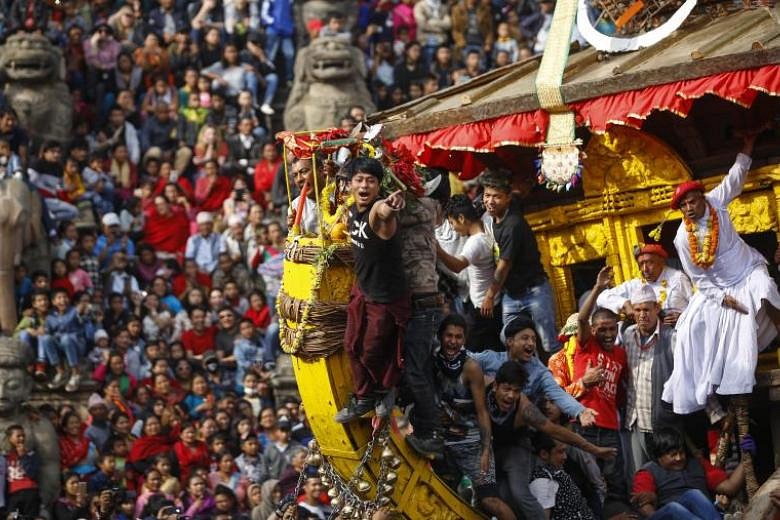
456 147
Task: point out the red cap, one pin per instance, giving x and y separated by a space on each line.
652 249
684 188
314 25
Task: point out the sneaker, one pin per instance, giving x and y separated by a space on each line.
40 372
355 409
429 447
384 404
267 109
58 381
73 383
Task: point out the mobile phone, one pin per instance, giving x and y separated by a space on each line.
82 489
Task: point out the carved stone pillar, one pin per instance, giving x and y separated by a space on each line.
12 218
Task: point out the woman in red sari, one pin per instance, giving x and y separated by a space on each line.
166 227
168 176
211 189
163 389
77 453
151 443
190 452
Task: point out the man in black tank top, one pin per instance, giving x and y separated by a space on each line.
460 388
511 414
379 304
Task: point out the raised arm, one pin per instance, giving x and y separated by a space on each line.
603 281
731 185
383 218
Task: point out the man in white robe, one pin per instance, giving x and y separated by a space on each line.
730 317
672 287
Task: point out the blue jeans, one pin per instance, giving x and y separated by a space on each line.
613 469
272 44
417 379
271 343
69 344
514 465
31 342
537 302
250 83
271 84
692 505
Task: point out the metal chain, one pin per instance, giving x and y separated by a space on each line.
346 488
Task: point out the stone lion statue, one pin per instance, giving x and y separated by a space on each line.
329 78
33 71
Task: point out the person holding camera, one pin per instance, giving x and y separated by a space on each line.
73 503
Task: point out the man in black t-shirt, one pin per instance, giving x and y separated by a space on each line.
379 305
519 271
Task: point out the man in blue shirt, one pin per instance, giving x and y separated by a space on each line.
205 246
112 240
521 343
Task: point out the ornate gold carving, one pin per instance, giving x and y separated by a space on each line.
578 244
627 159
752 215
629 178
429 505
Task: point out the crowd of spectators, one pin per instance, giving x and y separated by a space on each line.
167 213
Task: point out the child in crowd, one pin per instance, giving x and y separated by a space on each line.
250 462
552 486
247 349
21 474
105 477
170 484
62 337
31 327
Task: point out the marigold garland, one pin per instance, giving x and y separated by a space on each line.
704 257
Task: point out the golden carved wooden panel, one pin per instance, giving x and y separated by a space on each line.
629 179
753 213
627 159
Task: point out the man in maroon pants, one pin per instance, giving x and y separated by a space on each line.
379 305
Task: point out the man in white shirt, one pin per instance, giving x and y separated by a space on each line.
477 258
205 246
649 348
671 286
733 314
312 488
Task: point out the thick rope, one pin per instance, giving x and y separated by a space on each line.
742 411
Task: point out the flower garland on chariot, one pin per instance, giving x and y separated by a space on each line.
338 146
